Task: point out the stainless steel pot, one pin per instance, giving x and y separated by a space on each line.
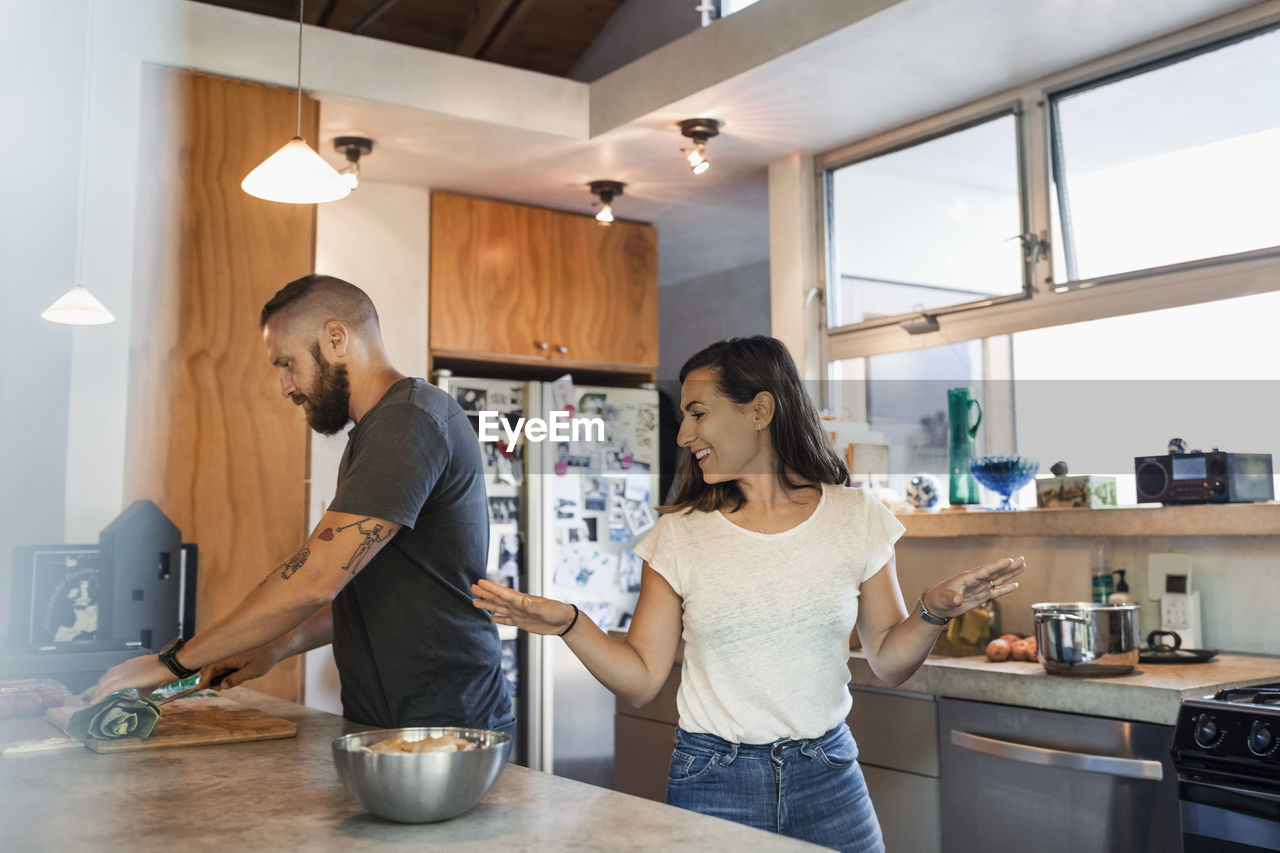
1081 638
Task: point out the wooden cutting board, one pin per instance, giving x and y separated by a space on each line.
195 720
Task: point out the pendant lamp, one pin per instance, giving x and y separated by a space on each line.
296 174
79 307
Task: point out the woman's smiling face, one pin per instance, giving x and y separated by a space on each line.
727 440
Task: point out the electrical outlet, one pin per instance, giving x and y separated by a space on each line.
1174 612
1160 566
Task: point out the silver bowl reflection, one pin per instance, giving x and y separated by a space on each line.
420 787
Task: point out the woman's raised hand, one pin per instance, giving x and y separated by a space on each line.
968 590
530 613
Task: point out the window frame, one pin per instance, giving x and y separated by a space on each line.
1045 303
957 122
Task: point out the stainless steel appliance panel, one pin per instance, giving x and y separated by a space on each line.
1025 779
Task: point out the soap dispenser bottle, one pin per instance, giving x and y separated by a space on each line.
1121 595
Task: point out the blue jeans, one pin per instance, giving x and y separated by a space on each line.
807 789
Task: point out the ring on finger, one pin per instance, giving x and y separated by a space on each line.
992 584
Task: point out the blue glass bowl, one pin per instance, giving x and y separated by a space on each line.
1004 474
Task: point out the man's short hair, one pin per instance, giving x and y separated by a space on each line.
317 299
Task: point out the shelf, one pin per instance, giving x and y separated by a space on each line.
1254 519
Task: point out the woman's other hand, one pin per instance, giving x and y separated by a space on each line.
530 613
968 590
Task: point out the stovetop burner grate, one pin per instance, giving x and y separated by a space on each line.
1266 694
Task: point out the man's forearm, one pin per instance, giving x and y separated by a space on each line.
266 615
311 634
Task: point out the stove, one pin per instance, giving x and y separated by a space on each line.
1226 750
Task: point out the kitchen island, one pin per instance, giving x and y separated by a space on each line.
285 795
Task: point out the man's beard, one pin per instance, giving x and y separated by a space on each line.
330 399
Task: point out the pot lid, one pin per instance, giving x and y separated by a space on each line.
1159 651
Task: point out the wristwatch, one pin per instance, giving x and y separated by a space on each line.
940 621
169 657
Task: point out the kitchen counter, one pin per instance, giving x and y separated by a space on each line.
285 795
1151 693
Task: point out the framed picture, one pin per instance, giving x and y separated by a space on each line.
61 597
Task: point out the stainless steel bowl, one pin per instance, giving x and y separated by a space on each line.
420 787
1082 638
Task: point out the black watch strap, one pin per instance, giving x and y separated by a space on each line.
169 657
940 621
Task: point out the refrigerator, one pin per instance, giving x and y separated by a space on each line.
571 473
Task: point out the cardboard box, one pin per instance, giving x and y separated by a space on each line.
1082 491
868 464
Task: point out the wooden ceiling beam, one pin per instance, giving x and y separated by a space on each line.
508 29
480 29
327 13
363 24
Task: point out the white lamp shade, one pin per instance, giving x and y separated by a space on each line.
295 174
78 307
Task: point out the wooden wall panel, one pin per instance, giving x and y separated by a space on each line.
209 438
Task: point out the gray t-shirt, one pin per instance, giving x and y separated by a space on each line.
410 647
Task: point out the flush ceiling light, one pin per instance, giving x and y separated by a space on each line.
699 130
296 174
79 307
353 147
606 190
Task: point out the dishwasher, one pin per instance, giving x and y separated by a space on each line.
1019 779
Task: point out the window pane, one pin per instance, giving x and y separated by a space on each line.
1098 394
1175 164
905 400
928 226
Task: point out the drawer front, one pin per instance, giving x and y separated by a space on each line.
897 731
642 756
908 807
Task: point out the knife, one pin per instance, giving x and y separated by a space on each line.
212 685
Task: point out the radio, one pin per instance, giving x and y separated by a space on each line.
1200 478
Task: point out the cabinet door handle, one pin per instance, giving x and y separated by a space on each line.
562 349
542 345
1133 768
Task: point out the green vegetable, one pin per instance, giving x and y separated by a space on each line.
120 715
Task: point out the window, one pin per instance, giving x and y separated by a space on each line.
929 226
1148 200
1173 164
1094 395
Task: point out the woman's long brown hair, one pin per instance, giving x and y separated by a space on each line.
743 368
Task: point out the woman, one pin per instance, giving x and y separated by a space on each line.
763 563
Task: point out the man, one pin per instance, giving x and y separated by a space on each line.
385 576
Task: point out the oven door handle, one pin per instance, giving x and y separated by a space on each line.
1132 768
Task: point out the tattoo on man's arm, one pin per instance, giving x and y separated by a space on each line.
373 533
289 567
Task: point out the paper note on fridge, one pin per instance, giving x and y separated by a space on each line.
637 488
589 572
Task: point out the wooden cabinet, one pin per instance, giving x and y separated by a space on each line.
525 284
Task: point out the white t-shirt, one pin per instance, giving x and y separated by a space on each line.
767 617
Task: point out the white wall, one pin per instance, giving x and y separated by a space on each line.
1236 576
38 239
377 238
